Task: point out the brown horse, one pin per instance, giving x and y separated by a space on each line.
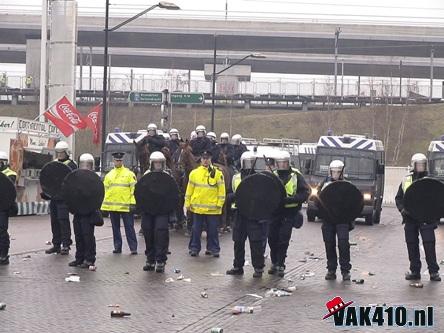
142 156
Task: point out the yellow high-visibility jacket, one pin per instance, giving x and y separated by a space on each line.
205 195
119 190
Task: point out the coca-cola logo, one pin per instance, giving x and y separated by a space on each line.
73 118
93 117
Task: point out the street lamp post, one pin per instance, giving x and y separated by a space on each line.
214 77
161 4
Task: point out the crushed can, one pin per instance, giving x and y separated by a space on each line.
217 330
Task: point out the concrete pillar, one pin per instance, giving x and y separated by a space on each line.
33 61
62 54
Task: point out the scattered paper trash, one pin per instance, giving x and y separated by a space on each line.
255 296
169 280
290 289
358 281
416 285
303 260
247 263
92 268
17 273
180 277
204 294
114 305
217 274
307 274
176 270
371 274
276 293
2 306
48 243
72 278
187 280
217 330
238 309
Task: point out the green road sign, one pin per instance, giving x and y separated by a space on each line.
145 97
186 98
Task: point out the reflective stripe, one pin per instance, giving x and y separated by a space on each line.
118 185
203 185
205 206
291 187
221 197
107 203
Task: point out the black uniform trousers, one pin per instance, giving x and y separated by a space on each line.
84 236
244 228
329 232
157 237
60 225
412 230
279 235
4 236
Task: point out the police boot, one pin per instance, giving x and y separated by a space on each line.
281 271
86 264
149 266
4 260
65 250
235 271
273 269
331 275
413 276
435 277
160 267
75 263
258 272
346 276
54 249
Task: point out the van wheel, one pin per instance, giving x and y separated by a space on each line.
311 215
369 219
377 216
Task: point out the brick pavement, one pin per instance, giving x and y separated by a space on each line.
39 300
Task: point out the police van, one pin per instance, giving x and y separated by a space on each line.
269 145
364 167
122 142
435 157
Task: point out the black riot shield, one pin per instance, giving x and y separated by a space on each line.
340 202
260 196
157 193
7 192
83 191
423 200
51 178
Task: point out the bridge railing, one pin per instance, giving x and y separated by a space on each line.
306 87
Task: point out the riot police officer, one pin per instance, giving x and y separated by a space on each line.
412 227
332 230
4 215
244 227
280 229
84 226
226 148
239 148
154 141
201 143
155 227
60 224
175 141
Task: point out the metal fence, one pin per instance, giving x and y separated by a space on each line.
314 87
